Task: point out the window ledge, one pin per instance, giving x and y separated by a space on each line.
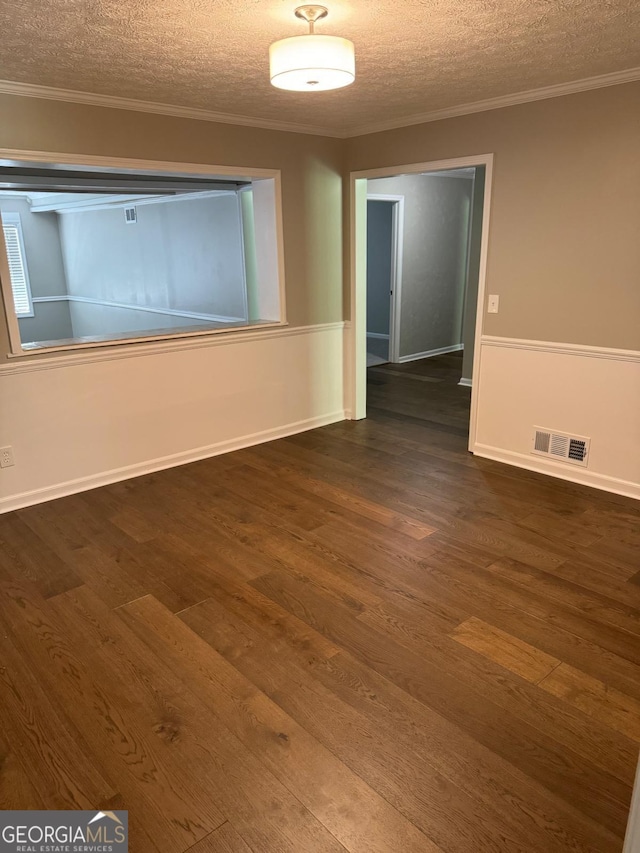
123 348
100 352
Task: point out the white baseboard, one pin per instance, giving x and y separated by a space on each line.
429 353
465 382
556 469
93 481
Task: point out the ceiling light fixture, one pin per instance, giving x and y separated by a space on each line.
312 63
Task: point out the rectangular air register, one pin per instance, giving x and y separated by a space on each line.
130 215
558 445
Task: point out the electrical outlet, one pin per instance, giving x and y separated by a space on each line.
494 301
6 457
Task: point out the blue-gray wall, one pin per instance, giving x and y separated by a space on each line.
379 249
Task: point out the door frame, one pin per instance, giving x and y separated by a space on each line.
356 355
397 244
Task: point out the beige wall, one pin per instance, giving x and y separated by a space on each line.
564 252
311 178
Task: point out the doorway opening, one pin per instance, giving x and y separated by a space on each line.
385 229
418 268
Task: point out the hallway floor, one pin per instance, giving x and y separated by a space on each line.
426 389
359 638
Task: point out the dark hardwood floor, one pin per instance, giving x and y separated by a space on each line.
359 638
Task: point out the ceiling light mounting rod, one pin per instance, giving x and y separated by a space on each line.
311 14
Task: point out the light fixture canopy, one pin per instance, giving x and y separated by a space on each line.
312 63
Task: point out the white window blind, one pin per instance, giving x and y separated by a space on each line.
17 264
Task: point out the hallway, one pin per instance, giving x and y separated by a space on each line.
426 390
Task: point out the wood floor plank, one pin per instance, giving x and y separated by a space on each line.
512 707
65 774
609 645
595 579
480 771
213 772
396 482
105 575
450 817
74 522
24 554
416 742
224 839
614 551
510 652
563 638
354 585
152 783
135 525
567 529
262 610
60 763
620 520
333 793
559 546
594 697
216 523
499 538
621 617
344 498
416 620
266 496
17 791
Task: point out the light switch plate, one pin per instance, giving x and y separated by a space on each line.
492 307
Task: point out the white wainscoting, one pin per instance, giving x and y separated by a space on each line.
589 391
97 416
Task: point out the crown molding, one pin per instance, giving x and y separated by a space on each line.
31 90
630 75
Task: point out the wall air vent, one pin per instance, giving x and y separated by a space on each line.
130 215
559 445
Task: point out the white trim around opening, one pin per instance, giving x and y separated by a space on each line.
356 362
272 248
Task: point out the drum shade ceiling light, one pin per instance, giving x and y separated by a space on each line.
312 63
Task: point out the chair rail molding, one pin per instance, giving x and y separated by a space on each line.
563 348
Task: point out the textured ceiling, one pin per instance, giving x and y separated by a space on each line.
412 57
